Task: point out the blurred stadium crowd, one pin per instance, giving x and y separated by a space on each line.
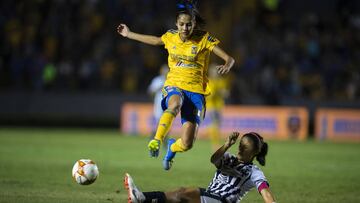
283 49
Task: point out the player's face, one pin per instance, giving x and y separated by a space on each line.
185 24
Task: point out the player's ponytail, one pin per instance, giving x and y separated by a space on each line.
189 7
261 156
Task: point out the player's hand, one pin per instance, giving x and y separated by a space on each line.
123 30
223 69
232 139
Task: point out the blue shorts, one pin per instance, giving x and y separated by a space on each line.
192 104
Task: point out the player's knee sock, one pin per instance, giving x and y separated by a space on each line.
164 125
178 146
157 196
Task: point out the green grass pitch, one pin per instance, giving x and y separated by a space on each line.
35 166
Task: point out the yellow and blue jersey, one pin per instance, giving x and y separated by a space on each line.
188 61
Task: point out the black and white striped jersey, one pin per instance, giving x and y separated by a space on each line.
233 179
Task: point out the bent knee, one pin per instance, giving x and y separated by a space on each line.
176 195
181 190
181 194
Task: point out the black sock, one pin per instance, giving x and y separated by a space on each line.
154 197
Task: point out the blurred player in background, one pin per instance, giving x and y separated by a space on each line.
186 85
154 90
234 177
215 103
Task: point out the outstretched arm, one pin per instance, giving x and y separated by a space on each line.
267 195
124 31
220 152
229 61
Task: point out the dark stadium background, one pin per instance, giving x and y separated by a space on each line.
63 64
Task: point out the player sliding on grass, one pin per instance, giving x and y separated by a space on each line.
234 177
187 83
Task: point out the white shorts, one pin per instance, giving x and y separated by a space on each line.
206 197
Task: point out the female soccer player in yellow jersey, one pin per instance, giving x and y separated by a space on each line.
186 84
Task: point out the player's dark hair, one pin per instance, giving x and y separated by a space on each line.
189 7
261 156
259 148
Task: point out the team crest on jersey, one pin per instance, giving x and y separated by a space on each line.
193 49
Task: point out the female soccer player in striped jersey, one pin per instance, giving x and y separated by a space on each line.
234 177
186 85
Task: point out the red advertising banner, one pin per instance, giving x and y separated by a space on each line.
270 122
337 124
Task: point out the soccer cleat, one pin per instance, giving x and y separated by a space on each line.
134 194
154 146
168 159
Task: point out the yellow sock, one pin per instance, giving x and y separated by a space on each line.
164 124
178 146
